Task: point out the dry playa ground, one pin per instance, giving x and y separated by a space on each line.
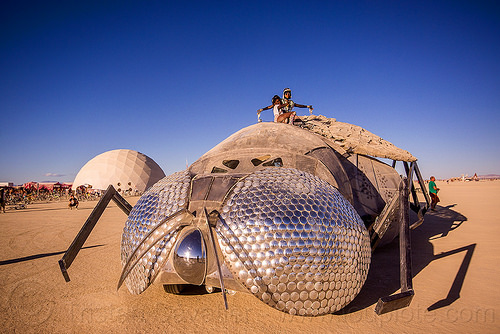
455 269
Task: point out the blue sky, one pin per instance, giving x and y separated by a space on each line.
171 79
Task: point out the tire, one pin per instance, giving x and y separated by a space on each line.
175 289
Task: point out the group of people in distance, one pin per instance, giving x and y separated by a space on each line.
282 108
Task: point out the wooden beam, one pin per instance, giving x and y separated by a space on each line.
404 298
422 185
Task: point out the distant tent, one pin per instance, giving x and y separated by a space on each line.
48 185
42 185
30 185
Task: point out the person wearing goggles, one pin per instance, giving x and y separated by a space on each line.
289 104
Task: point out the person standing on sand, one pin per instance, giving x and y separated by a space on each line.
433 191
2 199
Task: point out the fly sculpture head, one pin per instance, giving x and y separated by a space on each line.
275 211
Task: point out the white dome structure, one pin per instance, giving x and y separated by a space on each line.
126 170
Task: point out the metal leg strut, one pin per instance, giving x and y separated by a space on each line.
68 257
402 299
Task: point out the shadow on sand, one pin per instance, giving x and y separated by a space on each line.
38 256
383 277
34 208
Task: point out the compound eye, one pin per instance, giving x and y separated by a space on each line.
140 260
190 258
294 241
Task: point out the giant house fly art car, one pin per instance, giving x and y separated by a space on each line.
274 210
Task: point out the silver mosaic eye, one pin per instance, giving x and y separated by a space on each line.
320 247
151 230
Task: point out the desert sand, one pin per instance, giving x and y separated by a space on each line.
455 269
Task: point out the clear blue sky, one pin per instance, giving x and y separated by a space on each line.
171 79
